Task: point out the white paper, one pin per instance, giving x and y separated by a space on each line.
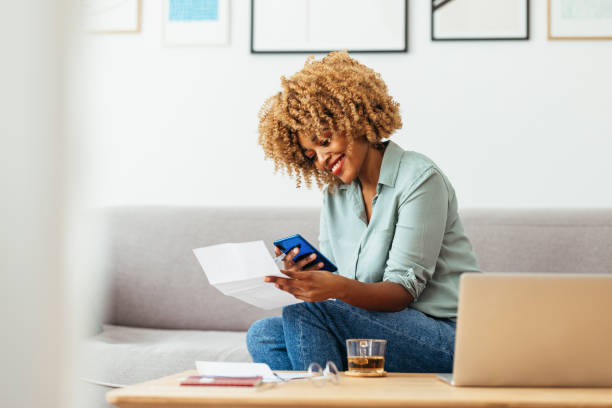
238 270
224 369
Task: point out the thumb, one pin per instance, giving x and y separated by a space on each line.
296 274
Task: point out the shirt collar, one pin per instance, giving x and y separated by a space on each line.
390 164
389 167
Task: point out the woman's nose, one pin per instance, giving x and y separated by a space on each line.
322 159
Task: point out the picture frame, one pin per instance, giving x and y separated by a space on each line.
498 20
195 23
313 26
577 20
111 16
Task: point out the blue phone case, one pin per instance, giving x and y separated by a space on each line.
288 243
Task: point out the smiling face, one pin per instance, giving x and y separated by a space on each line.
330 153
337 93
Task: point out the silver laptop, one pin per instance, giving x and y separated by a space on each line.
533 330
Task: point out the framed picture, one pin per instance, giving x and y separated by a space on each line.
466 20
111 16
195 22
320 26
580 20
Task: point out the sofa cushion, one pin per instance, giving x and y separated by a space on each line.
121 356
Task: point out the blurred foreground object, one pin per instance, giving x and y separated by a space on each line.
35 327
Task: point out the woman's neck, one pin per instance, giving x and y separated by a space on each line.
370 169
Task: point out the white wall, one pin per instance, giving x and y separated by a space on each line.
513 124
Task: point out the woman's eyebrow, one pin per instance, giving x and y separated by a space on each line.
314 137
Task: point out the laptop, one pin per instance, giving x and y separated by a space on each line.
533 330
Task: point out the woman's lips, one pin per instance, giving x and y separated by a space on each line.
337 167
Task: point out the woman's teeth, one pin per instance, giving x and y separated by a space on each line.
336 167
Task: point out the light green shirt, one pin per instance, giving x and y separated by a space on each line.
414 238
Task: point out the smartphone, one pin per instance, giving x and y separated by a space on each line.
288 243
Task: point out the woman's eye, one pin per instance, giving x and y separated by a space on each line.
310 157
325 142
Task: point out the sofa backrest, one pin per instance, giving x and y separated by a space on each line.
155 280
541 240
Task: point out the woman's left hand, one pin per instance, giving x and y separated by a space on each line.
309 286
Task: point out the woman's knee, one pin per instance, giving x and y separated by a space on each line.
292 311
258 331
262 329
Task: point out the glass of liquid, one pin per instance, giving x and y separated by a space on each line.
366 356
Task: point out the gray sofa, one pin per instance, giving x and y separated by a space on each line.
163 315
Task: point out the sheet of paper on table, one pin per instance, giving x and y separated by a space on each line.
238 270
231 369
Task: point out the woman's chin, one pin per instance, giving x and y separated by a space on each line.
345 178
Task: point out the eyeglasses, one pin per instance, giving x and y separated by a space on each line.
316 375
319 376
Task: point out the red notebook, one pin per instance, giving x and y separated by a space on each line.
222 381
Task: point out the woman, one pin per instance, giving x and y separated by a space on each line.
389 222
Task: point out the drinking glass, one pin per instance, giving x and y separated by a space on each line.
366 356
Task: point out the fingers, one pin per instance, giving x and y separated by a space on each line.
283 283
301 290
289 257
299 275
299 265
279 282
291 275
315 267
291 286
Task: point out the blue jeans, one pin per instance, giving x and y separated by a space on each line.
316 332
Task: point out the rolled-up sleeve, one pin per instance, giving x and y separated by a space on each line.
419 232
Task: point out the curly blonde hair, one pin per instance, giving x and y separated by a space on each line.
336 93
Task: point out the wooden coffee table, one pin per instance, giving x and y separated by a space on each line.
395 390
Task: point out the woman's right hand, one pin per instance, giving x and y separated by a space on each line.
308 284
291 266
